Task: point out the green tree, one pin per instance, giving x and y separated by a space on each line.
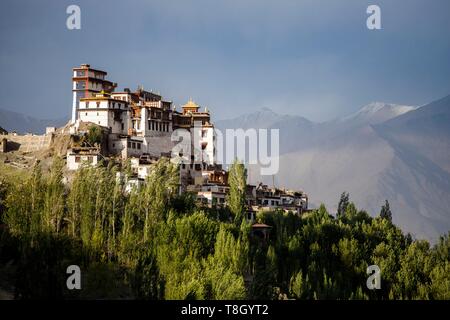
54 198
25 203
94 135
386 212
298 286
236 197
160 187
343 203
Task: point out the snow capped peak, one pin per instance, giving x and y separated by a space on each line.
377 112
266 109
378 106
374 107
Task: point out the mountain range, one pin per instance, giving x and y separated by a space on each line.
14 121
383 151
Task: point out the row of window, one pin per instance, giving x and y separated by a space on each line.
89 159
222 190
198 166
134 145
158 126
97 105
266 202
83 84
214 200
124 98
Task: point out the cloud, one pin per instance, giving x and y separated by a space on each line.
313 59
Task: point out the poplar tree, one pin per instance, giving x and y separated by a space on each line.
343 203
386 211
236 197
160 187
54 199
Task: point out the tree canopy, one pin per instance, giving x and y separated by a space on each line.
152 243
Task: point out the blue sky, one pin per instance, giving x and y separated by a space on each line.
311 58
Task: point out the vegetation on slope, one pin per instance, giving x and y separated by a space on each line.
152 243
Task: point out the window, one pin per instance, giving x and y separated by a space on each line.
129 144
77 159
97 114
139 146
87 104
98 104
122 125
133 145
90 159
86 113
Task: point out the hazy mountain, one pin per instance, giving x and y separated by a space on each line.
264 118
383 151
14 121
424 131
377 112
268 119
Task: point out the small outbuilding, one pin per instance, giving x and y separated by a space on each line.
261 230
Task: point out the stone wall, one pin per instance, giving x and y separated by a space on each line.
28 142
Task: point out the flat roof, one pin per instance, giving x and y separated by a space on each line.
261 225
88 67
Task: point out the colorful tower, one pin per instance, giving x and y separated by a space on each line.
85 83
